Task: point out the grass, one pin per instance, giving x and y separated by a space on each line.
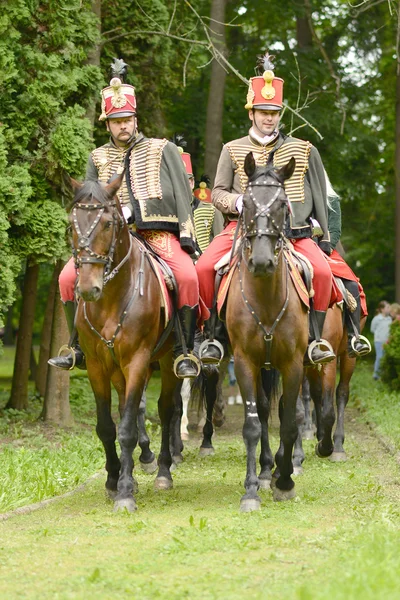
40 461
338 539
376 403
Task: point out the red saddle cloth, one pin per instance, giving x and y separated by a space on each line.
166 299
295 276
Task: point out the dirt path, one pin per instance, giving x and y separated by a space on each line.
337 539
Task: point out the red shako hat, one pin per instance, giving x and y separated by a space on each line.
187 161
118 99
203 192
265 91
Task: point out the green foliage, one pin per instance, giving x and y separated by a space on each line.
390 363
47 86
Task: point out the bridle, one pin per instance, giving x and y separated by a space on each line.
271 229
251 229
85 239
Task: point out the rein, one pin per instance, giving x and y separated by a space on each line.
252 231
85 239
93 258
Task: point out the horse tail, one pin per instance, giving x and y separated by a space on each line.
271 386
207 378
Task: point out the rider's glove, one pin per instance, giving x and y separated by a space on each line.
239 204
126 211
326 247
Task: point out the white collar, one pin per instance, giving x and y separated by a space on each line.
267 139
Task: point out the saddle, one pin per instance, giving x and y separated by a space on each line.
300 269
165 277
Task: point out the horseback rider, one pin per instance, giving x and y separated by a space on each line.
358 345
306 191
208 221
156 203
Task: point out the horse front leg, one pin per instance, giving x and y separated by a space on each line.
136 376
166 408
247 381
291 380
266 458
347 366
105 427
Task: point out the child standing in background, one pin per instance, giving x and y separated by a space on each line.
380 326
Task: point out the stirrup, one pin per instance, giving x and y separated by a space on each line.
207 344
190 357
322 345
72 353
361 338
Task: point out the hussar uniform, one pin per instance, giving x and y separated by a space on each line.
305 189
157 197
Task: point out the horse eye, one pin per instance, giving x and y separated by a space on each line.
108 225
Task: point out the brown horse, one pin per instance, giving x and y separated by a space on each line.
119 321
322 384
268 327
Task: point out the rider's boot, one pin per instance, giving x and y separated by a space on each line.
319 350
74 358
358 345
212 349
186 363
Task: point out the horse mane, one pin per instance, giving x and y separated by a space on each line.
91 190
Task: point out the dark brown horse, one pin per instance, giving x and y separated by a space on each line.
268 327
119 321
322 384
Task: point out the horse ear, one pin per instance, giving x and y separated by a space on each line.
249 165
287 171
76 185
115 183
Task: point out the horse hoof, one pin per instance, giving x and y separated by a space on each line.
307 435
338 457
283 495
265 484
318 453
298 471
162 483
125 504
206 452
250 504
177 460
149 467
184 437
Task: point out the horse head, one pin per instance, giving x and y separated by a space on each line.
96 219
265 209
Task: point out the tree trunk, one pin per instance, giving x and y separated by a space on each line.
45 338
56 407
397 162
19 389
215 105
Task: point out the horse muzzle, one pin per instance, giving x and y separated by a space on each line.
258 268
91 294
